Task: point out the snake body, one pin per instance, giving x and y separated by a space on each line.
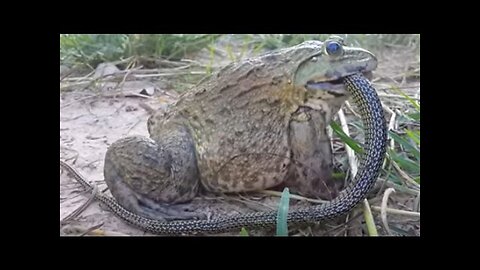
371 111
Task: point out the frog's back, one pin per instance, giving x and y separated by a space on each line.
239 120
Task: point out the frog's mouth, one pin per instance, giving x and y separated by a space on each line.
334 87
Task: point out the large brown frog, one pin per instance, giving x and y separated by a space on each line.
255 124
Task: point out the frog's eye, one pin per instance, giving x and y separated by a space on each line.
334 48
314 59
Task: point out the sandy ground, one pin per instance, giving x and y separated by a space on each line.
91 119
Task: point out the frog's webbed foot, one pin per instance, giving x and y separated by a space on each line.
146 207
167 212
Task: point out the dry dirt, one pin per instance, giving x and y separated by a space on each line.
93 118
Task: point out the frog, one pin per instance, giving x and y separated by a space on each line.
258 123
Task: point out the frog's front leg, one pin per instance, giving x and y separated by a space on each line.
310 172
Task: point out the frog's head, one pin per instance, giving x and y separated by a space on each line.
325 67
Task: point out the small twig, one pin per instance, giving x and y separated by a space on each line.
397 111
375 208
103 78
383 212
79 78
124 95
78 100
349 107
355 227
111 95
80 209
416 203
93 228
170 64
308 231
147 107
388 78
330 136
99 232
84 84
386 108
132 127
405 73
351 155
120 84
397 211
119 108
72 70
170 74
346 226
342 226
258 206
404 175
73 158
405 189
292 196
391 124
75 191
395 96
192 61
68 148
122 61
79 230
182 67
417 94
147 71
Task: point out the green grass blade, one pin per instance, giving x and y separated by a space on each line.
413 102
414 116
243 232
345 138
417 179
405 144
282 227
230 54
212 58
367 214
414 135
413 167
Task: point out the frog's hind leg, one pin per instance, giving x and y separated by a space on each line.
152 177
